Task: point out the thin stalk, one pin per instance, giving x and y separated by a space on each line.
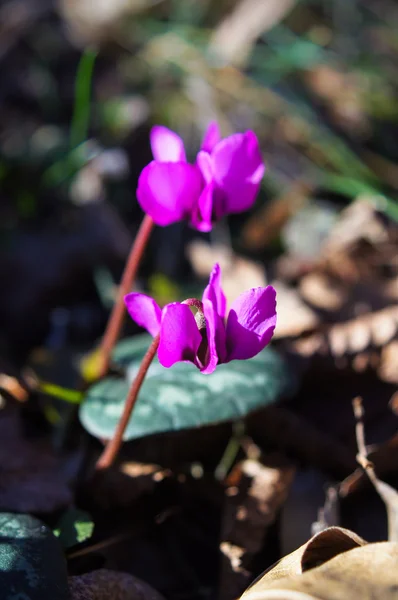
81 110
113 446
115 321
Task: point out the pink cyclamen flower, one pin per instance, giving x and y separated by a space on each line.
225 178
206 339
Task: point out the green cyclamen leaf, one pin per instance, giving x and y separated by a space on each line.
181 397
32 564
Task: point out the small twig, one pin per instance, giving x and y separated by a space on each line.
387 493
116 539
115 321
328 515
113 446
360 431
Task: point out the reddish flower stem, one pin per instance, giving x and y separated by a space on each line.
115 321
113 446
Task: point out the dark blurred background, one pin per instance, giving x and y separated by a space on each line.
82 82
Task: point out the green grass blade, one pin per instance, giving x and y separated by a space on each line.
81 111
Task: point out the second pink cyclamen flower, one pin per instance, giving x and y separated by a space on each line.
225 178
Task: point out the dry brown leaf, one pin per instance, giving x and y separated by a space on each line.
371 330
388 367
362 246
355 281
359 221
318 550
366 572
251 507
294 316
110 585
323 292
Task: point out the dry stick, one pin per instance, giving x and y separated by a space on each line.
113 446
387 493
115 321
360 432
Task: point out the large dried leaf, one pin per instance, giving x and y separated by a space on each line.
335 564
318 550
368 572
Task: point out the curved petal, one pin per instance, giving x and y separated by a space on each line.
238 169
251 323
201 218
211 137
254 159
236 198
168 191
166 145
144 311
215 331
214 293
179 335
205 165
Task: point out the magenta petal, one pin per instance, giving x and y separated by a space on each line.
214 293
255 162
205 165
179 335
251 323
211 137
168 191
144 311
201 217
238 169
166 145
215 331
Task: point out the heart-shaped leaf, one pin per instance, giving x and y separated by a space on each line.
32 565
181 397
